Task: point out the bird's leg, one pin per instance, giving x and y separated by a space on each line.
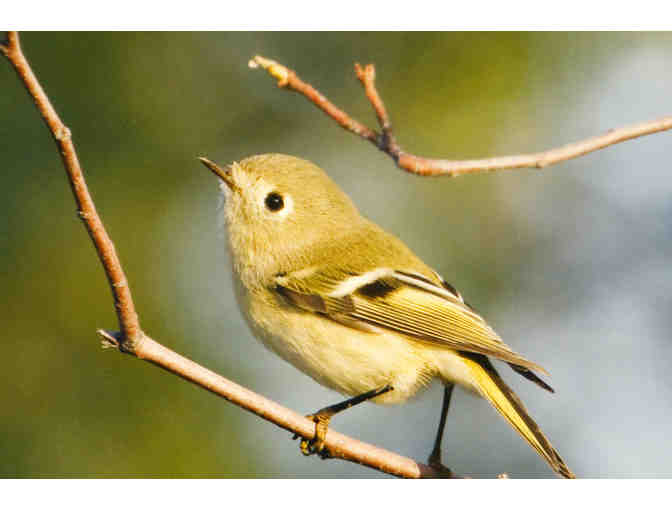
435 457
322 417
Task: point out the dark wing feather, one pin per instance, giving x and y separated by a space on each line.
525 372
400 301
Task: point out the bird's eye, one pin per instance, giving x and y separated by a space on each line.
274 201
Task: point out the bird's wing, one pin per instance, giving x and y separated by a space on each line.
405 302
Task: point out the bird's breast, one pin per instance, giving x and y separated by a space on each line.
339 357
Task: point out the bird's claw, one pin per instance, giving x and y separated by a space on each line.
316 445
312 447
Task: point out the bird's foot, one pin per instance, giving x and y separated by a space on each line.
316 445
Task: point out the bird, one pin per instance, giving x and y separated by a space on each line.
351 306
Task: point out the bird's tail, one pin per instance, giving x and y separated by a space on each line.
495 390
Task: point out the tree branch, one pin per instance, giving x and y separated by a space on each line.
386 142
123 301
131 338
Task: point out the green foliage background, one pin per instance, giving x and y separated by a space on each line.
570 265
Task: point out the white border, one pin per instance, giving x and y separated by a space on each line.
333 494
342 15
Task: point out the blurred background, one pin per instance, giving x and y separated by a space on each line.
571 265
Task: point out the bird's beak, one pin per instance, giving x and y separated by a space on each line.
224 175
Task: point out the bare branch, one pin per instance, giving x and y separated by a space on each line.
434 167
339 445
131 338
123 301
387 143
287 78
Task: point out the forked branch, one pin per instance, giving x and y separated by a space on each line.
131 338
386 142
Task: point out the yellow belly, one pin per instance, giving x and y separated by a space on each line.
349 360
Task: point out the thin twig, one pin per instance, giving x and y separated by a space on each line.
387 142
123 301
434 167
288 78
131 338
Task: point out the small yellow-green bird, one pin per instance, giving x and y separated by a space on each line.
351 306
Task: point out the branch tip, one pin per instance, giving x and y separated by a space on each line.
366 73
278 71
108 340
